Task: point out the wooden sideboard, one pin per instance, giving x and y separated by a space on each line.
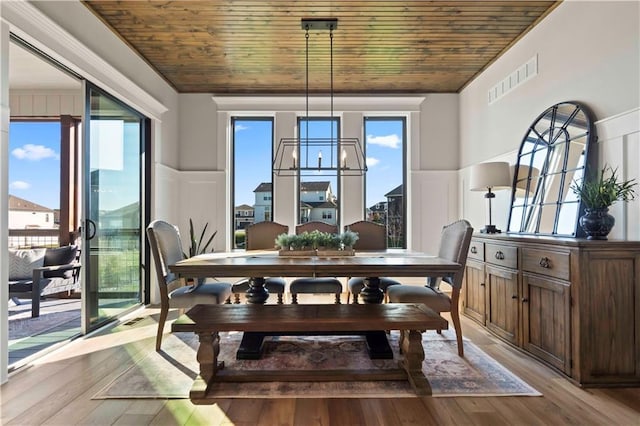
572 303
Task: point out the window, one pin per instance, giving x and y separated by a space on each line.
252 148
319 187
385 200
326 215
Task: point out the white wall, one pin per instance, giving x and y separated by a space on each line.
587 52
39 103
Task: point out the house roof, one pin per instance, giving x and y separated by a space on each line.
395 192
244 207
263 187
315 186
20 204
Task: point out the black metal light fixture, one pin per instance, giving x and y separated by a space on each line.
296 156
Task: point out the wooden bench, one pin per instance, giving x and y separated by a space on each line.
208 320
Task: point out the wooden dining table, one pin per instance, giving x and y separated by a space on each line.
260 264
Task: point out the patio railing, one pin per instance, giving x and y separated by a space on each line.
27 238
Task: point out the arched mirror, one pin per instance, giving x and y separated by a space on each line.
553 154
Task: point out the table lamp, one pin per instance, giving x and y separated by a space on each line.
488 177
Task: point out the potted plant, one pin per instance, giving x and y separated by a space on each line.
196 245
597 195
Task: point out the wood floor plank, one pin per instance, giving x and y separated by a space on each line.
277 412
60 391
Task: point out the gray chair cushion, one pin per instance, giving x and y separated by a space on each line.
315 285
188 296
60 256
436 300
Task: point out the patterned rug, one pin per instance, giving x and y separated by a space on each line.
53 313
170 372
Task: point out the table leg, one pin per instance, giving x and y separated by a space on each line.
372 293
413 356
257 293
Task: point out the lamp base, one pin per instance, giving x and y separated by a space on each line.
490 229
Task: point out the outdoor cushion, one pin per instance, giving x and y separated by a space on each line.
60 256
23 262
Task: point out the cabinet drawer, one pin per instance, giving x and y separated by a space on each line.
476 250
500 255
545 262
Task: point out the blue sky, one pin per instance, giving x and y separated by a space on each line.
34 159
34 162
383 151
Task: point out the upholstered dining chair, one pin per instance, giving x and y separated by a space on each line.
372 236
328 285
262 236
166 249
454 245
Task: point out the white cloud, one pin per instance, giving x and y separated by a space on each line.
19 184
240 127
389 141
34 152
371 161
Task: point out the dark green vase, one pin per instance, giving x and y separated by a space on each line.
597 223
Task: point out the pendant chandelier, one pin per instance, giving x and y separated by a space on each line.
305 156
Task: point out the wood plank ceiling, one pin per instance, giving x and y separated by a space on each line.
257 47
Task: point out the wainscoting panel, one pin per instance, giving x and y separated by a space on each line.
619 146
433 203
202 197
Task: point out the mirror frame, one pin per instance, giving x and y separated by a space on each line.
545 168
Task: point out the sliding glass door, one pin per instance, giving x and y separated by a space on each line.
113 236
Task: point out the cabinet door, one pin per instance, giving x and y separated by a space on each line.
545 315
502 291
473 289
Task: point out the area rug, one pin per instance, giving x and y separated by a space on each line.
53 313
170 372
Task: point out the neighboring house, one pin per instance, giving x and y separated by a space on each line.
243 216
378 213
322 204
395 212
262 207
24 214
317 202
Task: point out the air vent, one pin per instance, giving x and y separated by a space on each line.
523 73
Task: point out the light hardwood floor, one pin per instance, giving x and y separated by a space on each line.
57 390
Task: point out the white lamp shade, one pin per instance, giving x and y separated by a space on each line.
493 175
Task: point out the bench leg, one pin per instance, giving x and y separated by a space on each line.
413 356
207 357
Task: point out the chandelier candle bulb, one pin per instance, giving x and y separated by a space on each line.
319 160
344 159
294 156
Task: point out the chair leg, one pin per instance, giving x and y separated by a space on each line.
280 299
294 298
338 301
236 298
348 296
455 317
355 298
163 317
35 302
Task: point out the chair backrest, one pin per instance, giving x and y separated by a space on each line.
454 245
316 225
166 249
262 235
371 235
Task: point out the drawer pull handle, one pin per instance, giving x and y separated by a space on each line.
482 284
515 296
545 262
525 300
474 250
499 255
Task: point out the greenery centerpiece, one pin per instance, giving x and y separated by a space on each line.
597 195
317 243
